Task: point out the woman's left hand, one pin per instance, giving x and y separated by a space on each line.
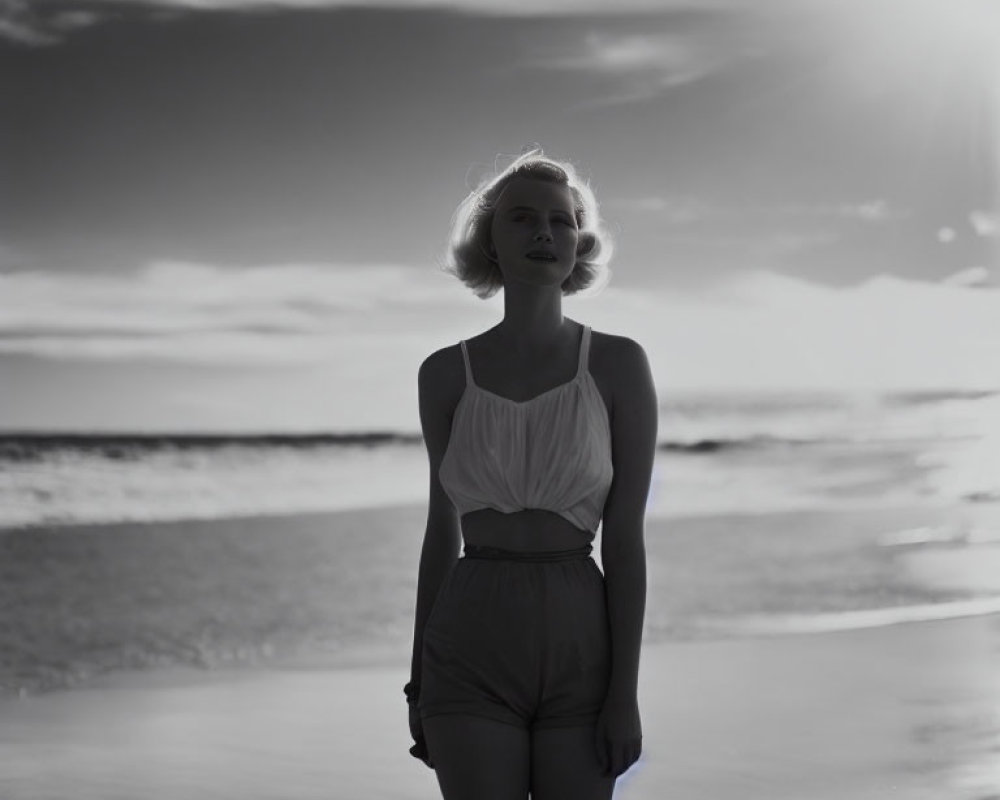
618 733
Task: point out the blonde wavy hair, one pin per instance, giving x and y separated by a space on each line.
467 256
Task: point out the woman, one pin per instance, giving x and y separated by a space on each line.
526 658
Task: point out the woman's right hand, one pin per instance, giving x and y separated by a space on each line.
419 750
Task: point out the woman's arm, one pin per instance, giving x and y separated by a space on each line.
442 536
623 551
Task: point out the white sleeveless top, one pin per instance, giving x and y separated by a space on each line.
551 452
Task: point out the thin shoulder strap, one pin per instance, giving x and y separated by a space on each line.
584 350
468 367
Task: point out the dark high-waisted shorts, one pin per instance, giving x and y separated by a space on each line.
521 638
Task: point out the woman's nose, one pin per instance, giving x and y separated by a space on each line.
543 235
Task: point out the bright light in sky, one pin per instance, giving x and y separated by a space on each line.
948 51
940 59
960 38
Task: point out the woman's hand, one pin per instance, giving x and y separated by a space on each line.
419 750
618 733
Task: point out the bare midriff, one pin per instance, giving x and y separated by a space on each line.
531 530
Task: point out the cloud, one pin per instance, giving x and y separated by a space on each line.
972 276
871 210
675 210
42 24
946 235
671 59
506 7
776 330
874 210
181 311
28 24
683 210
641 65
372 324
985 223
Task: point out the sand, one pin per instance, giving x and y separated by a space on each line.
255 677
903 711
76 602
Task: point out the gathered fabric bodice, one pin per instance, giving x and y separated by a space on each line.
551 452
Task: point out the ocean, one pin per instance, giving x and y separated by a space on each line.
717 453
767 515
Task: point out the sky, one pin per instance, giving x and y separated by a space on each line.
229 215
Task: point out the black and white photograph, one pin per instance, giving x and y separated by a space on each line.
500 399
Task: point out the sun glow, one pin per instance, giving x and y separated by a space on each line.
967 37
930 67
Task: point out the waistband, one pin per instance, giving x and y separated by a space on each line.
499 554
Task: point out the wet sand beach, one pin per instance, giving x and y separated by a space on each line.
908 711
265 657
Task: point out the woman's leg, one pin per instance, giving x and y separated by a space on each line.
577 668
476 758
564 765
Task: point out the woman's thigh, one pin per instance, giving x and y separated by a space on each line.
476 758
564 765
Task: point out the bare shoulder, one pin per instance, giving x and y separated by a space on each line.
441 376
439 363
622 364
615 348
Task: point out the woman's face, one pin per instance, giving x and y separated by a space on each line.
534 231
